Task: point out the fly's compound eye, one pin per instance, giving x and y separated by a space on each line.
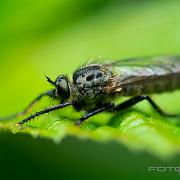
62 87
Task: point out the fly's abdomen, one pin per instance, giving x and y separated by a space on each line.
150 79
170 84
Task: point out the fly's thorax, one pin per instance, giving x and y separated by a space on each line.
89 86
91 80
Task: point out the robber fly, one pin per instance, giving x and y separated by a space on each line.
95 86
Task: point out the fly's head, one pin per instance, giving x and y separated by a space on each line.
62 87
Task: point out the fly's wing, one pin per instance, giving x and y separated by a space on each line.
143 70
146 61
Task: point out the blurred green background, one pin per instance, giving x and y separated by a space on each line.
53 37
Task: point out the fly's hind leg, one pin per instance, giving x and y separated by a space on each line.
49 93
134 100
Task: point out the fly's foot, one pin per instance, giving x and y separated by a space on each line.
18 125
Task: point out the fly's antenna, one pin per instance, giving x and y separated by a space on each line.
50 81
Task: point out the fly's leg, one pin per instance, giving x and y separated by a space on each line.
49 93
125 105
92 113
129 103
47 110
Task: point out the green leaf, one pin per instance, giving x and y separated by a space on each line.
133 129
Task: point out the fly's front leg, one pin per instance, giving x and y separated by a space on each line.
131 102
94 112
47 110
49 93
